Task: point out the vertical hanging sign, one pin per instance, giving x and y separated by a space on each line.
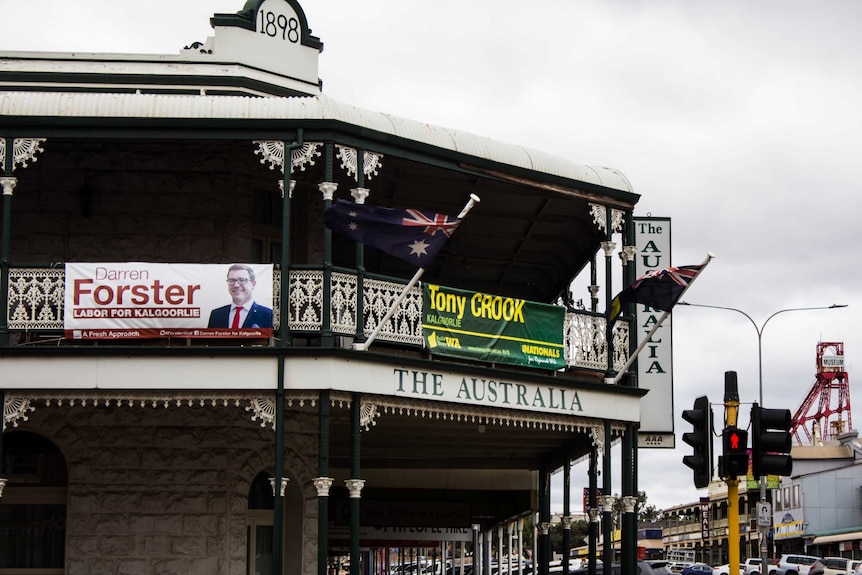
655 362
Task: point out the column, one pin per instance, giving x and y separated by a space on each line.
354 484
323 484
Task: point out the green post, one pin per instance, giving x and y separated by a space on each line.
323 499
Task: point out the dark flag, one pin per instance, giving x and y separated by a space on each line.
659 289
414 236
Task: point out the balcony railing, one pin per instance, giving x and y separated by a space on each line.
36 296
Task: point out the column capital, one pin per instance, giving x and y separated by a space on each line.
359 194
8 184
354 486
283 488
328 190
322 484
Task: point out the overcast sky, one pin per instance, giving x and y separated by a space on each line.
740 120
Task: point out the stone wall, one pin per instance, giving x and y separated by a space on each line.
164 491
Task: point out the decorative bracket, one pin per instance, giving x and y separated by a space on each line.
23 150
371 162
368 415
15 409
598 434
272 151
599 213
264 411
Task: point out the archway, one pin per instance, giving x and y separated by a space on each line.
33 506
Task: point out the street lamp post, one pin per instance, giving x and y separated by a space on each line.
764 551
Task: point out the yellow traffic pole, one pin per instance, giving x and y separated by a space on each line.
731 409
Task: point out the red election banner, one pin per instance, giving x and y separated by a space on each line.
154 300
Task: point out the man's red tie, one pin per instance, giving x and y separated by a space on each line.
235 324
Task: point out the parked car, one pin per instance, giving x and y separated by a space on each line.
752 566
794 564
659 567
816 568
725 570
697 569
643 568
840 565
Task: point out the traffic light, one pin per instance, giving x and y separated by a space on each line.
734 454
770 441
700 439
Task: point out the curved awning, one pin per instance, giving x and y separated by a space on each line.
838 537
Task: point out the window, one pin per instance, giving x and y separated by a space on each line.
33 506
259 526
796 498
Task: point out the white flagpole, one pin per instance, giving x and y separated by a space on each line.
643 343
474 199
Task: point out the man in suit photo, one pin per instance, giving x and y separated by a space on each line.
243 311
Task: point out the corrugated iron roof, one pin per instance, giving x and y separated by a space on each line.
116 105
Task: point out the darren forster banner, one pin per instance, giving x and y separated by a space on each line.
151 300
486 327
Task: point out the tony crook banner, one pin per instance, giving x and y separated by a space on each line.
154 300
493 328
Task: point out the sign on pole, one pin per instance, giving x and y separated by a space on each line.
764 516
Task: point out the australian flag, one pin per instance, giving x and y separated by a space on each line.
659 289
414 236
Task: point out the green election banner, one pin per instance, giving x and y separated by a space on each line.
493 328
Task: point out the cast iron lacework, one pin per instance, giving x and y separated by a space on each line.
272 151
262 409
17 406
36 296
598 433
599 214
476 414
15 409
23 150
371 162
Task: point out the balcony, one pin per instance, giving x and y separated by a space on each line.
36 295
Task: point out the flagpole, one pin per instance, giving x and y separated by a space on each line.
474 199
646 340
